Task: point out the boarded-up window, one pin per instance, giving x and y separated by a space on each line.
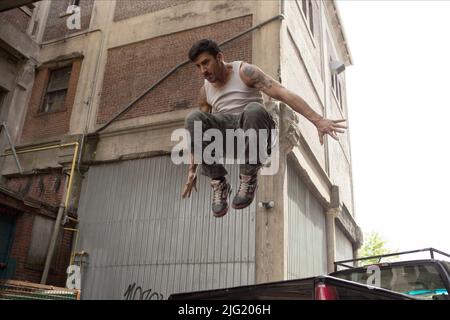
55 95
40 241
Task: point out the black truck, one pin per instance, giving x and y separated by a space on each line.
427 279
314 288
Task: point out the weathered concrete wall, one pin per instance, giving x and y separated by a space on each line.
305 70
338 151
125 10
16 17
33 160
18 55
301 70
17 42
305 55
39 125
8 70
96 44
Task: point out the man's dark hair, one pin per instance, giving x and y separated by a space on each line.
204 45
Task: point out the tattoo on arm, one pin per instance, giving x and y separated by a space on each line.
259 79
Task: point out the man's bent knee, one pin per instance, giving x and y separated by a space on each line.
196 115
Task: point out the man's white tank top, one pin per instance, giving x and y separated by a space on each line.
234 95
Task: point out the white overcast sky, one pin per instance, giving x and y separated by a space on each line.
398 92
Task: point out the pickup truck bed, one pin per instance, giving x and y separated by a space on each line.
314 288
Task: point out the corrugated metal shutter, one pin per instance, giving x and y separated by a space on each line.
344 247
144 241
306 237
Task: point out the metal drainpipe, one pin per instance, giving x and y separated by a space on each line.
61 211
56 228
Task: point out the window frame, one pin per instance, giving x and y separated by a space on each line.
336 87
27 10
42 106
308 17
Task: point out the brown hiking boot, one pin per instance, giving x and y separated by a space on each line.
221 192
246 192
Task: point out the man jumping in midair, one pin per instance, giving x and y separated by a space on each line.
231 99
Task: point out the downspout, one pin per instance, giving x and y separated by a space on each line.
62 209
333 211
55 232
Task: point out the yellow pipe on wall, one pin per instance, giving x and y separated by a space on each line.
72 170
9 153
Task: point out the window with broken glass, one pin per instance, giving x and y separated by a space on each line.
56 92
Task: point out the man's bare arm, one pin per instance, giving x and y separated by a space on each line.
191 182
256 78
203 103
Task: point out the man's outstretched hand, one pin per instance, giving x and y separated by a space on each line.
191 183
331 127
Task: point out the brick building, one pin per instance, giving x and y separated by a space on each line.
67 105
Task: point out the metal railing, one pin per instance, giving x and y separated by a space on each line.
432 252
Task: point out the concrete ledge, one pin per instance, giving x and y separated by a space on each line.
186 16
144 140
144 123
18 44
30 162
